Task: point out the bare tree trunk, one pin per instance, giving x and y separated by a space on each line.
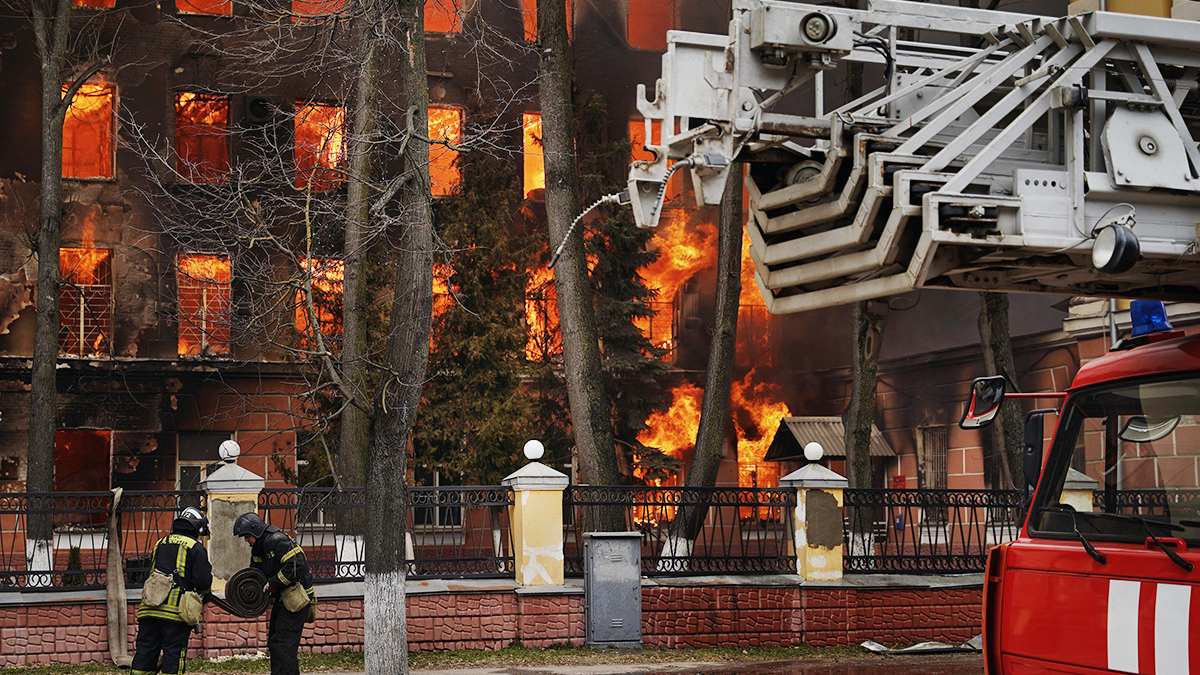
581 348
867 321
1003 439
51 25
714 410
362 153
399 390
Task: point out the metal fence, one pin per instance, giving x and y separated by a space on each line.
453 532
741 531
79 551
927 531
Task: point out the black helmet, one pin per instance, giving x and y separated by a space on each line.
249 523
190 519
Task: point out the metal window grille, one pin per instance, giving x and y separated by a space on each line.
85 301
934 474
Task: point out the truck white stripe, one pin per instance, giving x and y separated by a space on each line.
1172 605
1123 599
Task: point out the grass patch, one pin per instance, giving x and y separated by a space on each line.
517 656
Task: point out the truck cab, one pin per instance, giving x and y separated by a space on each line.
1108 583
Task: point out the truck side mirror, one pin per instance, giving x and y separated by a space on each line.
987 393
1032 464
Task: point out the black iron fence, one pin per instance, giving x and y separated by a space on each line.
687 531
453 532
77 554
926 531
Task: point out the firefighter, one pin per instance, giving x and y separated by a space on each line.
181 556
282 560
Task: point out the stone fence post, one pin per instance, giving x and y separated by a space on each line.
536 520
1077 491
817 541
232 491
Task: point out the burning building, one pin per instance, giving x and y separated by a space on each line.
156 368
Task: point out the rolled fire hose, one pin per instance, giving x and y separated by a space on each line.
244 595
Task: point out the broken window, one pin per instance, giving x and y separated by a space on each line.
529 14
201 124
204 299
648 23
326 276
88 132
85 301
81 464
306 8
443 16
319 149
543 340
218 7
445 124
535 167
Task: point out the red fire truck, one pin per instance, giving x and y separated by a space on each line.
1108 586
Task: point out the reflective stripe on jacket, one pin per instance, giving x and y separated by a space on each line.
187 560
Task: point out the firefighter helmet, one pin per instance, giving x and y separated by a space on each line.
249 523
192 519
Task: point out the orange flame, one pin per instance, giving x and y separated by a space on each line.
543 339
758 412
327 277
673 431
754 321
203 289
320 145
445 124
535 166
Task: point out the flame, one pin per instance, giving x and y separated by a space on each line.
758 412
673 431
327 277
307 8
320 145
649 21
201 122
754 321
204 6
529 12
535 166
684 248
543 339
442 299
203 288
84 266
88 132
444 124
443 16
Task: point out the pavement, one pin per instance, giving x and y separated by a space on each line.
906 664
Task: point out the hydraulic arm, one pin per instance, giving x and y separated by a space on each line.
1004 152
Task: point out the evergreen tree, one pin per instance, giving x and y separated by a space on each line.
476 414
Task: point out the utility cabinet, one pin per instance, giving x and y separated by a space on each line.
612 569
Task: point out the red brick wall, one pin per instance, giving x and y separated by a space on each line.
672 616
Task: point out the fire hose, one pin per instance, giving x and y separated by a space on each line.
244 595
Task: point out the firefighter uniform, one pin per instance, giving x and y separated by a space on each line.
282 561
160 629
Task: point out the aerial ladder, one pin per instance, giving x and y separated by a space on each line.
1004 151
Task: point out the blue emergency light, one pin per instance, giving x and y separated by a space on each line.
1148 316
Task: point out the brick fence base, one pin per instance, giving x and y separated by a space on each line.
452 615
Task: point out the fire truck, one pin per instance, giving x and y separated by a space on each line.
993 151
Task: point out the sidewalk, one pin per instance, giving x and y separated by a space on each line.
915 664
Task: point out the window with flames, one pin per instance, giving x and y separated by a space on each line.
203 283
326 279
319 146
87 143
85 301
201 137
445 124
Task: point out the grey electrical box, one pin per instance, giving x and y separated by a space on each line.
612 569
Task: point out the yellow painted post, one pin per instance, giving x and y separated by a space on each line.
1078 490
536 520
818 537
232 491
